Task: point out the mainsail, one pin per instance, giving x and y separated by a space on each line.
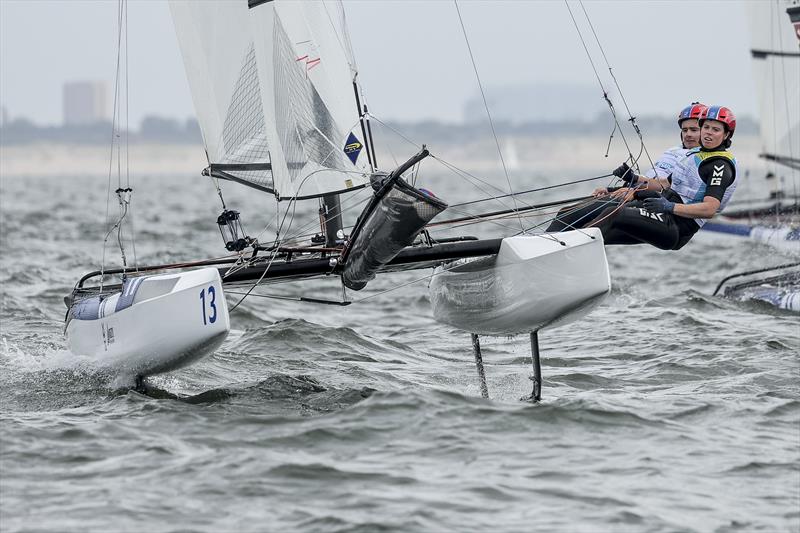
273 86
775 40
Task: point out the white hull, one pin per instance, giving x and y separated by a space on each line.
532 283
174 320
787 298
785 238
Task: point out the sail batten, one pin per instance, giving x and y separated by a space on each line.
286 108
763 54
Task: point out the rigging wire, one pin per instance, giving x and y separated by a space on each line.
278 241
266 269
475 219
634 161
347 48
473 180
535 190
773 74
476 181
344 207
114 125
127 142
492 218
450 166
313 223
631 118
486 106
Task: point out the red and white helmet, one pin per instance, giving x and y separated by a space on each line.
720 114
694 110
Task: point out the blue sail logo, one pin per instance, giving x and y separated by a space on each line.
352 148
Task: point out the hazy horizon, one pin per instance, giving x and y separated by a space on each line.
412 57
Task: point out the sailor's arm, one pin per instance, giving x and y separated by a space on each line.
705 209
652 184
644 184
656 178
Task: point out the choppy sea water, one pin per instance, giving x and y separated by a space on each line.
666 409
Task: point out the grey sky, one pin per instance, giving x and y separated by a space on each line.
412 57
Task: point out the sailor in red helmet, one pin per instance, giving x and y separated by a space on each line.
701 185
654 179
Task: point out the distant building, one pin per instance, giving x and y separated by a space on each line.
85 102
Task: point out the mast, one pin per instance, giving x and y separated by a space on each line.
330 213
362 120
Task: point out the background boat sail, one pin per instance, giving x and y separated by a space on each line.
775 49
775 60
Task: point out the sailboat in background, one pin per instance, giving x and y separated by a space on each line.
275 87
773 219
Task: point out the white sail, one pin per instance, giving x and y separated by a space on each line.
273 86
775 47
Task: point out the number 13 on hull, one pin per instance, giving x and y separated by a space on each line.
154 324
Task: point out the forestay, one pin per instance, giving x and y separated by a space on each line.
775 40
273 87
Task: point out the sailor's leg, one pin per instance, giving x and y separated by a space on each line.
576 216
635 225
476 348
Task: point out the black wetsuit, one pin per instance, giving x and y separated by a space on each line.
633 224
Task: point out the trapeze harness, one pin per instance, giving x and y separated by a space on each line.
701 173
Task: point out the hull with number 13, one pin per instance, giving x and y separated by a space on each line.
165 322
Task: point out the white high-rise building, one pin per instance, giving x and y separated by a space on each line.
85 102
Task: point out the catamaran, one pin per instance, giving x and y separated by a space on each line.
276 92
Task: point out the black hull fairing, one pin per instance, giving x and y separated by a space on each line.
410 258
391 221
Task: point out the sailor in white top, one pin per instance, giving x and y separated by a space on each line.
701 184
655 178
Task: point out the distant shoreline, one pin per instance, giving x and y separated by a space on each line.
537 154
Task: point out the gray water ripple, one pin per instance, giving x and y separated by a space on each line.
665 410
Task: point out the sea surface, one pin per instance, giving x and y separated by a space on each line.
666 409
